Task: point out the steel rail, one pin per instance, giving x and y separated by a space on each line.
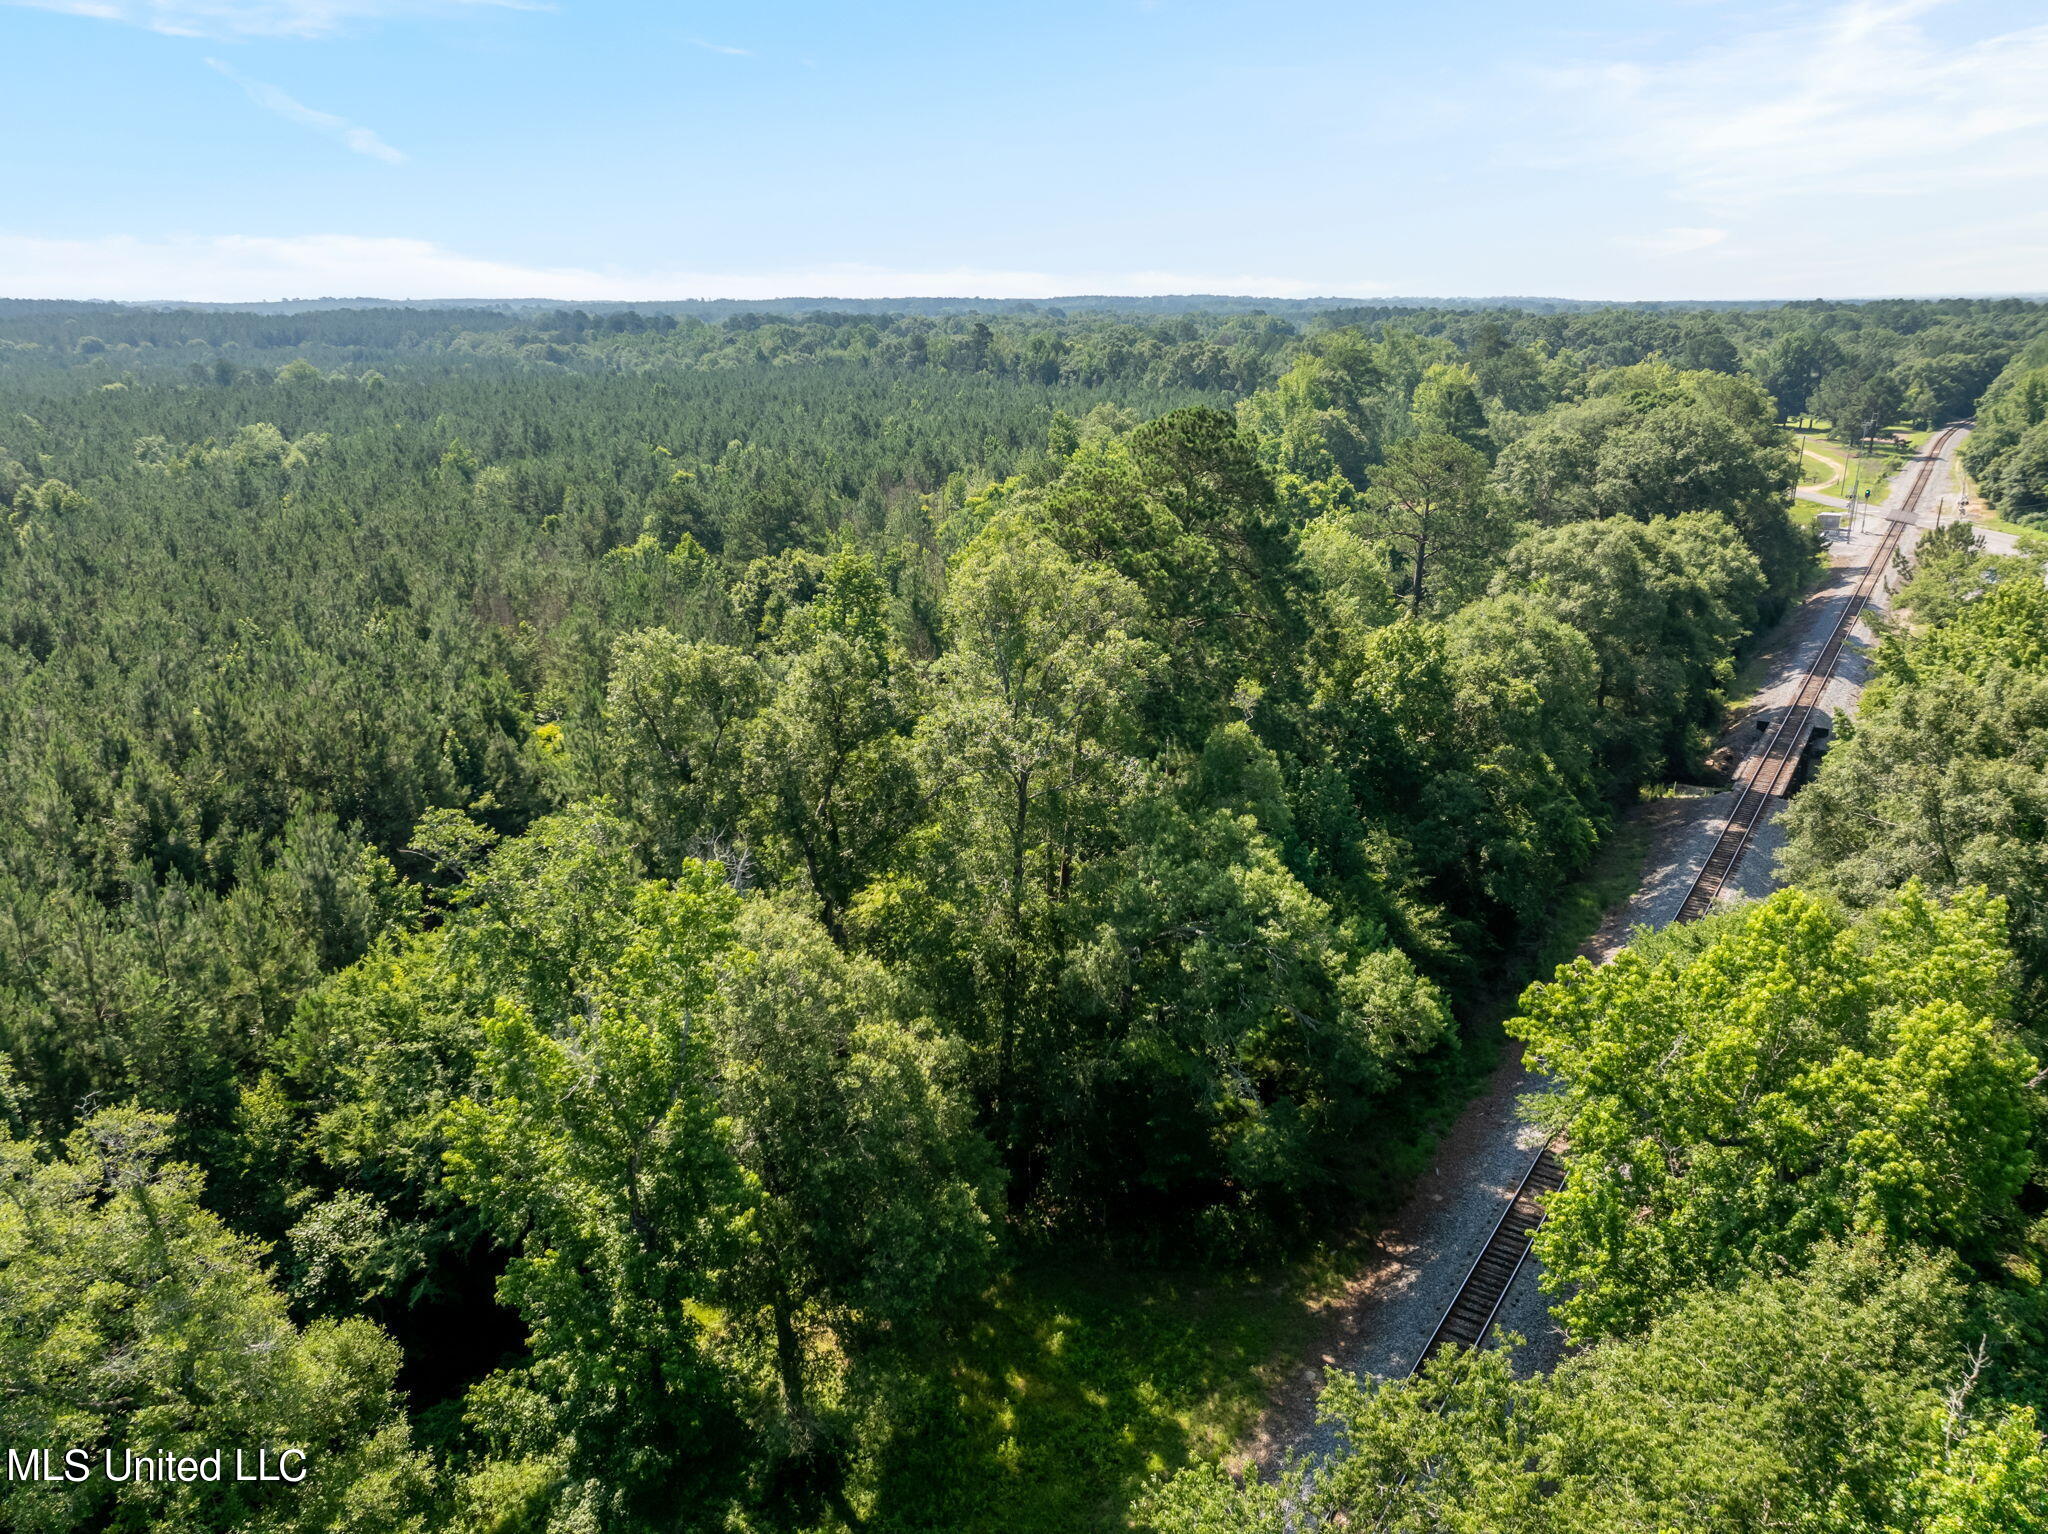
1492 1274
1505 1252
1484 1289
1770 775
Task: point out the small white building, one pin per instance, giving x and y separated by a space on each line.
1829 523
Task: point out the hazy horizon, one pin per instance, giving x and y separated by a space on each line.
1098 300
502 148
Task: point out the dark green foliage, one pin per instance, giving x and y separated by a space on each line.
1662 605
1839 1398
2008 453
1941 778
650 854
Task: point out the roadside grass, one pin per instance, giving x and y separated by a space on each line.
2033 539
1615 874
1087 1377
1754 670
1857 469
1749 681
1819 467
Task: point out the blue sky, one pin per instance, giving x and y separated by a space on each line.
239 149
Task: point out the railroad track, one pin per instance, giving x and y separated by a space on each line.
1768 778
1493 1271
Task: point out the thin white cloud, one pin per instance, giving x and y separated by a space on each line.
1989 253
240 268
710 47
1676 241
360 139
1860 100
257 18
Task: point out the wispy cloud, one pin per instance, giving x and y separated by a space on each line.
360 139
258 18
1859 99
228 268
1676 241
711 47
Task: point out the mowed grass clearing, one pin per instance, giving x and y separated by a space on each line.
1844 471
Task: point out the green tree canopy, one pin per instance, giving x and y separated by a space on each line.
132 1320
1733 1094
1837 1398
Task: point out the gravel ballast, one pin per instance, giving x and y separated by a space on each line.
1392 1307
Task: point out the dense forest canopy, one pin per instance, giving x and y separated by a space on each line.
1803 1235
593 879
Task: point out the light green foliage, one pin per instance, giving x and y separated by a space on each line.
1786 1078
593 1148
1827 1400
1238 772
869 1192
1308 424
1993 1479
377 1056
1654 442
1331 415
1353 587
715 1154
1552 473
133 1320
1473 737
1525 791
1941 778
1447 404
1030 750
1116 741
1662 605
1182 507
2020 489
675 716
829 784
1153 992
2008 452
2007 628
1950 570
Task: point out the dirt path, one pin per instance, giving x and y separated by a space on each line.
1836 468
1379 1323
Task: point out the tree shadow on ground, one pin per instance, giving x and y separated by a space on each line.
1080 1383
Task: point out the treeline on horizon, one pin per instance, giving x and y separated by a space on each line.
721 308
1860 365
576 894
